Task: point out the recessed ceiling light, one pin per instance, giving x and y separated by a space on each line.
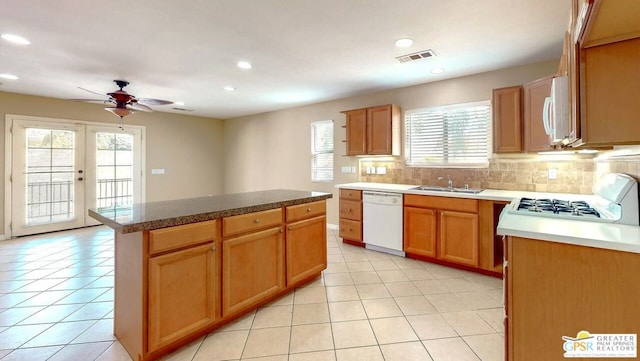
437 70
229 88
404 42
8 76
15 39
244 65
179 103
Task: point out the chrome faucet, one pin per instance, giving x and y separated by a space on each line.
449 182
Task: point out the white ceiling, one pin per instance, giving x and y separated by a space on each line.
302 51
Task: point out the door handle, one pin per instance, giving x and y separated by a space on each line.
80 178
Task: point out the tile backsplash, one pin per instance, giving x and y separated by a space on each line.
573 175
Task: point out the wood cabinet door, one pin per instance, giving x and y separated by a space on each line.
356 132
181 294
535 93
252 269
306 248
458 240
507 120
420 231
379 130
610 92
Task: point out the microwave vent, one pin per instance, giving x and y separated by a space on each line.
416 56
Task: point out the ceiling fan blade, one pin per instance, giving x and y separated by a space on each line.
94 92
151 101
141 107
90 100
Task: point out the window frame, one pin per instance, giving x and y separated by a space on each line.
315 153
442 162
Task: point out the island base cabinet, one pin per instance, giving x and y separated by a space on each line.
252 269
182 297
306 249
556 290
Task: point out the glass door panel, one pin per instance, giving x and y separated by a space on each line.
48 185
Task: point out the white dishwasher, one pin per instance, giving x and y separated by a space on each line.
382 222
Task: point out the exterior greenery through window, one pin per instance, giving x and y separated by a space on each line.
452 135
322 151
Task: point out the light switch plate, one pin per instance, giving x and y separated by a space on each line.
553 173
157 171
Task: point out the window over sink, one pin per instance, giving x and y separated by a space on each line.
452 136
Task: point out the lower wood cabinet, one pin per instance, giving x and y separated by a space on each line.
351 216
442 228
306 249
555 289
458 241
177 283
420 235
252 269
182 294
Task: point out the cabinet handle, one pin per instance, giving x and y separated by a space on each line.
213 248
308 209
257 220
289 228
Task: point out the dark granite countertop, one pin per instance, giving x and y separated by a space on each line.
155 215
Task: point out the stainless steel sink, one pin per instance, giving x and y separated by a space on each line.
447 189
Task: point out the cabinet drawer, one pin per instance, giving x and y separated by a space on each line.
251 222
444 203
166 239
351 194
351 230
307 210
351 210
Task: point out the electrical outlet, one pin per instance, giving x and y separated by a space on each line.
553 173
381 170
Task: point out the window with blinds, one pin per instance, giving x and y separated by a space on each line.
453 135
322 151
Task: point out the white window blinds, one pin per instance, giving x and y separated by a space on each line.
452 135
322 151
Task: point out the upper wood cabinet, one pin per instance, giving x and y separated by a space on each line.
356 131
507 120
602 53
609 94
373 131
535 138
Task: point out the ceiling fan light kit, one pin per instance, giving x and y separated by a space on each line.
125 103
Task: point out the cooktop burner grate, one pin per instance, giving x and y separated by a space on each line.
557 206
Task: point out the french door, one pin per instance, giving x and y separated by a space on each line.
61 169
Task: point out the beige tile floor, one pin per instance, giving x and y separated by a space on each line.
56 303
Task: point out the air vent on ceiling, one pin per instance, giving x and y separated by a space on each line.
416 56
182 109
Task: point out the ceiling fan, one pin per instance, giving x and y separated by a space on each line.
125 103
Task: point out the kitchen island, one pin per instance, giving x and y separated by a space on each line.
563 277
186 267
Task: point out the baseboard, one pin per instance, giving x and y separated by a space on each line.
332 226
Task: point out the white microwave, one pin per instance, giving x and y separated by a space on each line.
555 114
